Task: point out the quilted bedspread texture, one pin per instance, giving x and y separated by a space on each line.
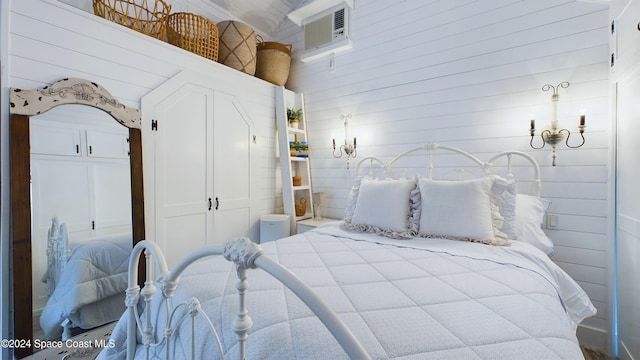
400 301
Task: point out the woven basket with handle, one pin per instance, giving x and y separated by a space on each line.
136 15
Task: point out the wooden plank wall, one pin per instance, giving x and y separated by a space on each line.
469 74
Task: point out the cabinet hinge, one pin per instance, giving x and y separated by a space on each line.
613 57
154 125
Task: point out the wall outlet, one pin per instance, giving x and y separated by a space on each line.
552 221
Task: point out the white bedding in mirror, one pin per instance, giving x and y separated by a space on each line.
91 288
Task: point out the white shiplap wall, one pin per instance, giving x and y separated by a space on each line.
469 74
50 40
47 40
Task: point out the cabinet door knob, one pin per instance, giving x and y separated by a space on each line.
217 203
210 204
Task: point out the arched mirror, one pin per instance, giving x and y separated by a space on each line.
26 104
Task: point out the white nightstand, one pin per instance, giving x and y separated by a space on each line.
306 225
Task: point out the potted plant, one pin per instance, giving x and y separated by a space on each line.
294 116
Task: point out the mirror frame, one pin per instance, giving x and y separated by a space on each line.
23 105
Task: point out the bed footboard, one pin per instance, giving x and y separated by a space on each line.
245 255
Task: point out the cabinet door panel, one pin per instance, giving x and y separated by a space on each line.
183 175
104 144
112 183
184 234
232 223
63 189
232 164
628 211
53 140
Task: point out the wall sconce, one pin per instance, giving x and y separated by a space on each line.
349 148
554 135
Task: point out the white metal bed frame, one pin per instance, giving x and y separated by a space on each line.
432 148
245 255
248 255
58 254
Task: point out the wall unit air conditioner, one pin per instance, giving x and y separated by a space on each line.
326 27
329 28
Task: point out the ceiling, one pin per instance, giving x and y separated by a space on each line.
266 16
263 15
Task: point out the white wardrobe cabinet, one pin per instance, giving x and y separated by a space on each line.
65 139
79 173
197 166
625 80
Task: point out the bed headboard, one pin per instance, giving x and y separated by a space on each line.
457 163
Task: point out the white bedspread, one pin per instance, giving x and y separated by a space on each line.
415 299
96 271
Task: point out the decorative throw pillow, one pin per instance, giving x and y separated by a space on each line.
507 207
462 210
386 207
530 211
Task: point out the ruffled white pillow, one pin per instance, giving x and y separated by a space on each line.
507 206
462 210
386 207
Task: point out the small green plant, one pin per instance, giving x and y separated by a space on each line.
294 114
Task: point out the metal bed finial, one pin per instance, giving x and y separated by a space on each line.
245 255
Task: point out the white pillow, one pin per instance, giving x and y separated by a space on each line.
530 212
383 206
507 206
463 210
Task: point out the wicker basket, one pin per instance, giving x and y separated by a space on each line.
194 33
273 62
237 46
136 15
301 207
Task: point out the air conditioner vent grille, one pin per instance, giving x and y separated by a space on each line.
339 20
